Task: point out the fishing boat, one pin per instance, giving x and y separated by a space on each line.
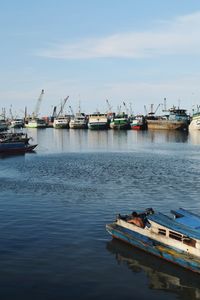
120 121
98 121
174 119
79 121
3 125
195 122
16 123
61 122
14 137
138 122
175 239
35 123
15 147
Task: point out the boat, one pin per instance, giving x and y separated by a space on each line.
120 121
175 119
3 125
79 121
35 123
14 137
138 122
15 147
61 122
16 123
98 121
175 239
195 122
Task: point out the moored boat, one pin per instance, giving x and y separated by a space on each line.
15 147
195 122
120 121
175 119
3 125
176 239
79 121
138 122
98 121
61 122
35 123
16 123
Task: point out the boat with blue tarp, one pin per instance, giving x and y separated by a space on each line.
174 238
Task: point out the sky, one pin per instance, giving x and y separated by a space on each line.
126 51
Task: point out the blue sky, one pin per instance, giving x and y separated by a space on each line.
137 52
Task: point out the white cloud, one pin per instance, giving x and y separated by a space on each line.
178 36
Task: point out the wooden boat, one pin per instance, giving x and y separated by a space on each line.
14 137
176 119
175 239
15 147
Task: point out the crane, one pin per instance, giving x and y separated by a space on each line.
109 106
130 108
71 110
37 107
54 112
126 108
62 106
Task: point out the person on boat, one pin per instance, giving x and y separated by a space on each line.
136 220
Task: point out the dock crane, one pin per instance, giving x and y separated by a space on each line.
126 108
71 110
109 106
38 104
62 106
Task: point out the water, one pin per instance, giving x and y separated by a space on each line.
55 204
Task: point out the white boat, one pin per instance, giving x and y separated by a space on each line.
61 122
79 121
174 239
16 123
98 121
35 123
195 122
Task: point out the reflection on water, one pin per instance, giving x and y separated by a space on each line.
167 136
69 140
194 137
161 275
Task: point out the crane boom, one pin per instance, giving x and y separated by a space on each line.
71 110
109 106
37 107
62 106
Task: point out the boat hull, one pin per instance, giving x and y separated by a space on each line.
98 126
119 126
195 123
137 127
61 126
77 125
167 125
154 247
15 148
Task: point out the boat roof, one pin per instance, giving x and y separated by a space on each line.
187 218
184 222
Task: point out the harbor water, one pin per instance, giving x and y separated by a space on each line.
55 203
